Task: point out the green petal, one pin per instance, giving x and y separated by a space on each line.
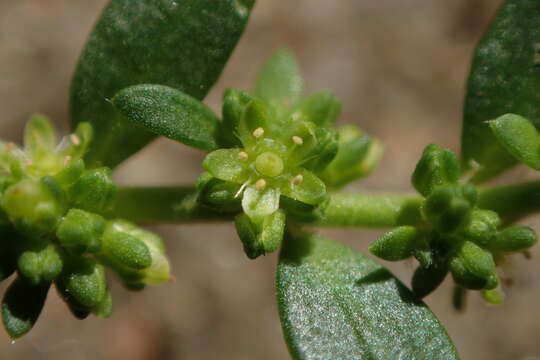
310 190
225 164
259 203
322 108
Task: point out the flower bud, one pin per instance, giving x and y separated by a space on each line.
263 236
436 167
138 256
94 191
358 155
427 279
482 228
457 215
41 265
397 244
80 232
32 206
515 238
473 267
83 286
21 306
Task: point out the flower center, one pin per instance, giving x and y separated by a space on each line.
269 164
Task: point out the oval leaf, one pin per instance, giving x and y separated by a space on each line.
169 112
519 137
182 44
504 78
336 303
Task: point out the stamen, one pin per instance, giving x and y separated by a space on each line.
260 184
67 159
297 180
75 139
297 140
28 162
241 189
258 132
242 155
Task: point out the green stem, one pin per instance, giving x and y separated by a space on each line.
512 202
153 205
162 205
158 205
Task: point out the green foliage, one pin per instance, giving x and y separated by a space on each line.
336 303
504 78
183 45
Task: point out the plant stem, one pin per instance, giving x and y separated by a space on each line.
162 205
173 205
154 205
512 202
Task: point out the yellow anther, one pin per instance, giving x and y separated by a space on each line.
260 184
258 132
242 155
297 140
28 162
67 159
297 180
75 139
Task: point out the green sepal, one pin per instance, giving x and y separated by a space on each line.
21 306
169 112
436 167
39 137
83 286
220 195
80 141
519 137
80 232
256 115
40 265
234 107
311 190
260 238
427 279
226 165
493 296
358 155
396 244
122 248
257 204
94 191
473 267
279 80
71 173
323 150
514 238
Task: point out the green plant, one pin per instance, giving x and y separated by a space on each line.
276 161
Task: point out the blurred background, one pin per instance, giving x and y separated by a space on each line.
399 66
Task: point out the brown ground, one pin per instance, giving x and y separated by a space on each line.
399 68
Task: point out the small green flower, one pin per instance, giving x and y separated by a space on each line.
276 158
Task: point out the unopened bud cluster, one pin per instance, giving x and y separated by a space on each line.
54 231
456 236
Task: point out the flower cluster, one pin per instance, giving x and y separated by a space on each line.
278 144
54 231
455 236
